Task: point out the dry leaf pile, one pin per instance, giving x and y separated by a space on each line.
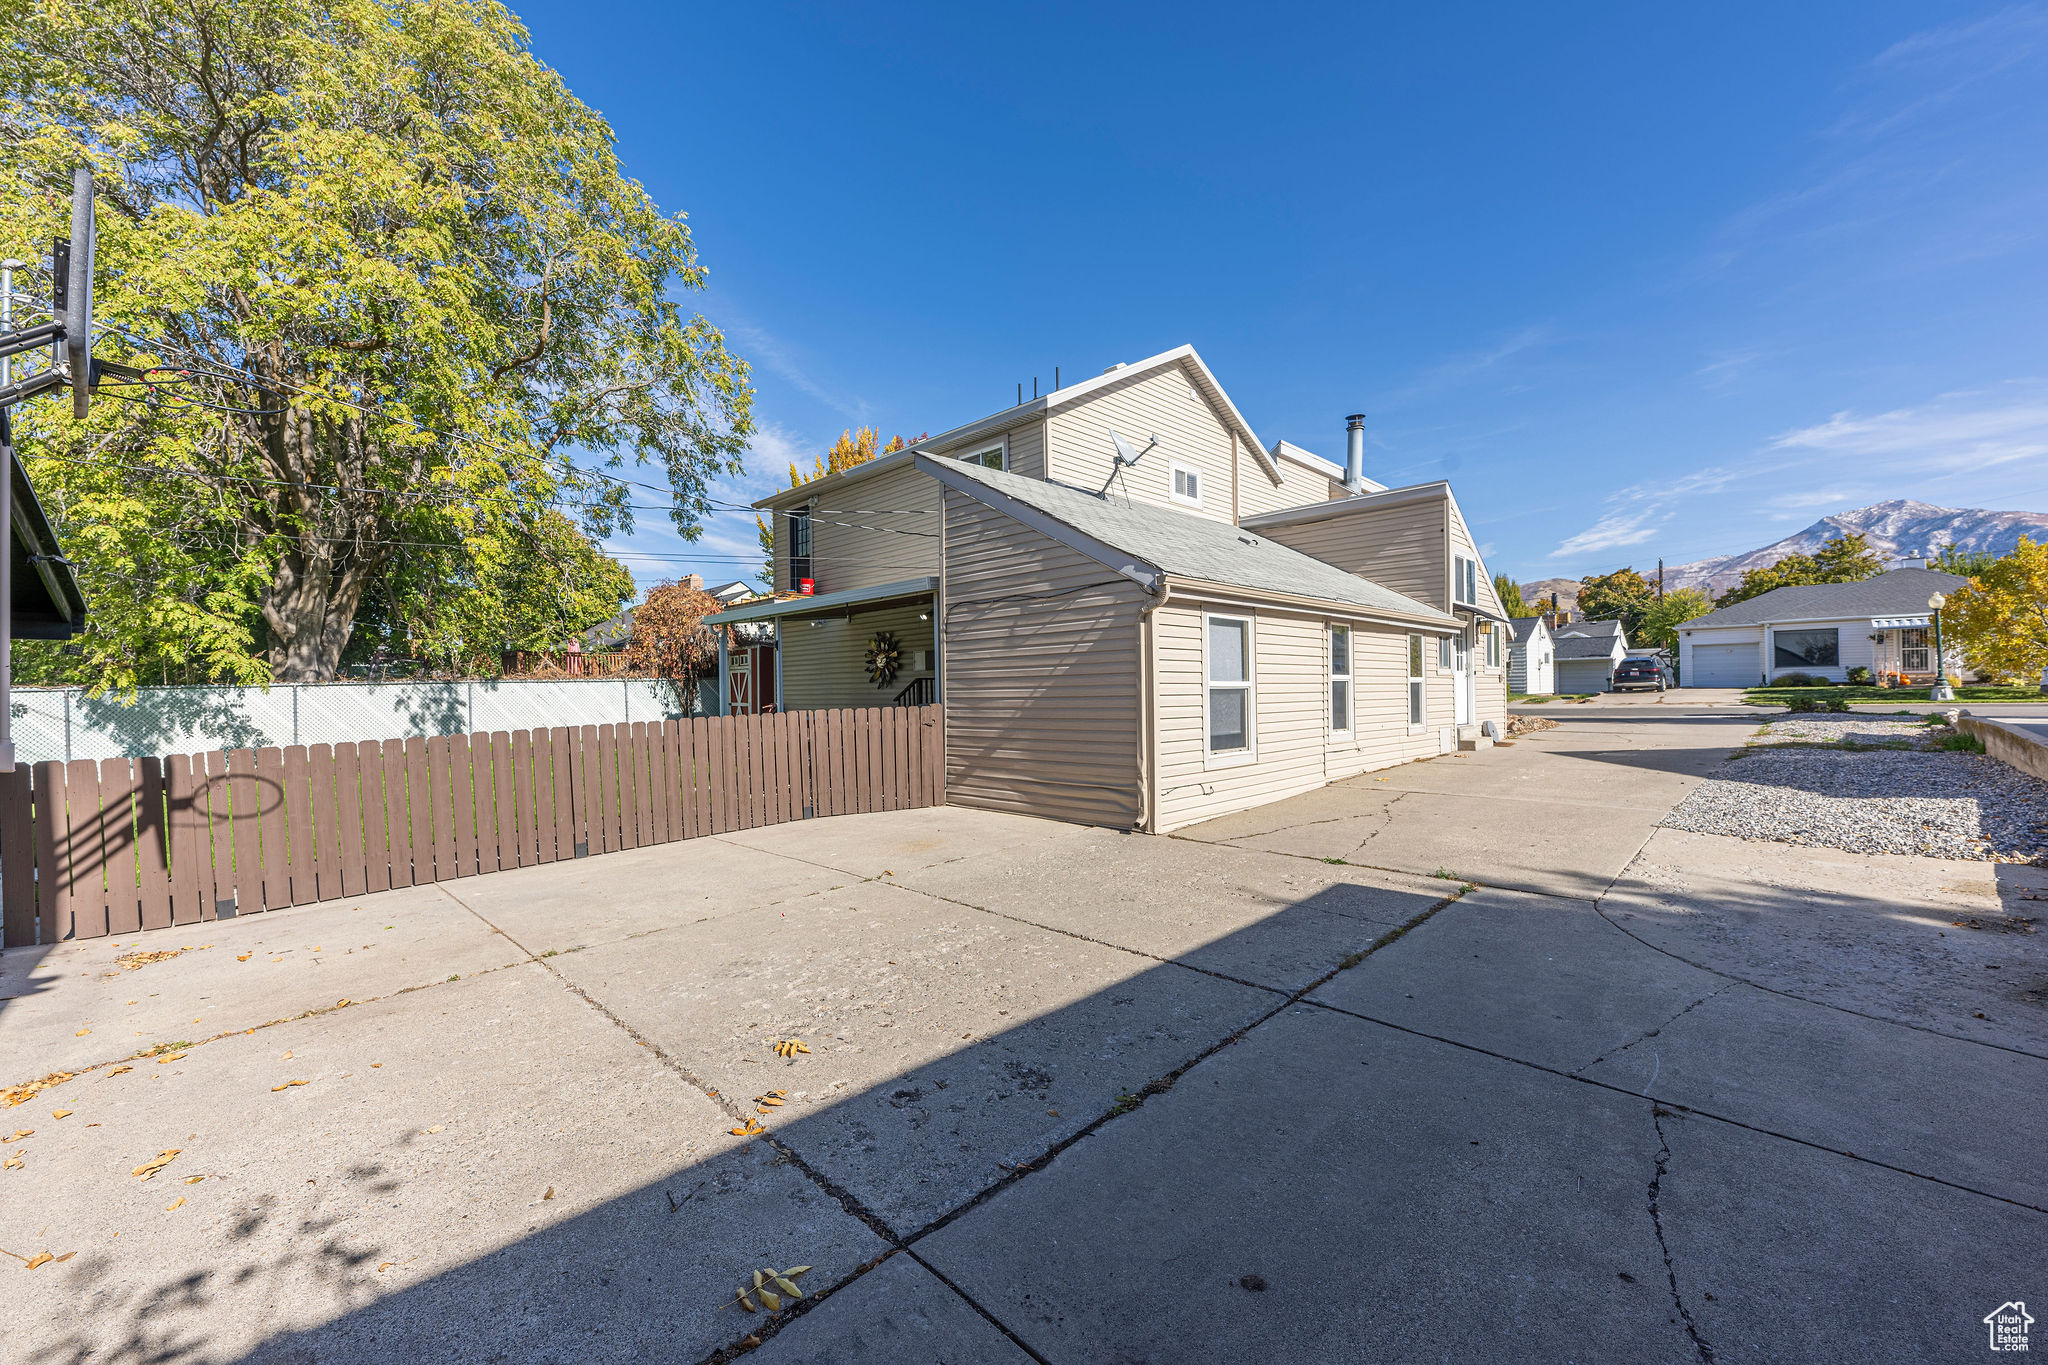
28 1090
789 1047
129 962
752 1128
771 1287
13 1163
772 1100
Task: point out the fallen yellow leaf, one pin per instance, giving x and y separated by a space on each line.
194 1179
81 1033
175 1056
286 1086
119 1069
12 1163
60 1113
175 1204
149 1168
550 1194
437 1128
18 1134
243 957
287 1056
40 1258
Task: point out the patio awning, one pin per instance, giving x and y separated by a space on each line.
825 603
1900 622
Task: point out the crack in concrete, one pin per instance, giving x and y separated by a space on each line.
1648 1034
1692 1330
1677 1107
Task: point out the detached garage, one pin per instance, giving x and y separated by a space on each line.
1585 654
1723 666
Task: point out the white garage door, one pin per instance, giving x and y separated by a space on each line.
1723 666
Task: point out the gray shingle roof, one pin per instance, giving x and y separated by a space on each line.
1182 545
1902 592
1522 627
1587 639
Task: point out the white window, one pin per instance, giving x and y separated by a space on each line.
1415 712
996 456
1231 710
1493 634
1340 680
1187 485
1443 652
1465 580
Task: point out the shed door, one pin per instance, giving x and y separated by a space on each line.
1724 666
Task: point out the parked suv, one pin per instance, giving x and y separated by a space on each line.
1645 673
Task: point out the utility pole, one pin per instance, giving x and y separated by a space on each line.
1660 578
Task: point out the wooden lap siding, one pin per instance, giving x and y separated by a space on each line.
115 846
1041 674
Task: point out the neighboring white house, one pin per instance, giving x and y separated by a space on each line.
1531 669
1586 653
1823 629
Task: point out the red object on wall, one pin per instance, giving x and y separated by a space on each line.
806 586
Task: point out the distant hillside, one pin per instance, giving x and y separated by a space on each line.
1897 530
1537 594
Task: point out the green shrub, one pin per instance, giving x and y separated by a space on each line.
1860 676
1798 680
1805 705
1961 743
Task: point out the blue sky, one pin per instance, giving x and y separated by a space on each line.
1640 280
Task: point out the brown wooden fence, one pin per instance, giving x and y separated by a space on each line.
114 846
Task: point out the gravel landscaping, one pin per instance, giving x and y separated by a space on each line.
1933 804
1896 732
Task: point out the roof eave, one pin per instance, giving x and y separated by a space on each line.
1350 611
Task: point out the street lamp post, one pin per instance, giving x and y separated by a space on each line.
1942 691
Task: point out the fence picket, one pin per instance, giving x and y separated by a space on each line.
642 808
522 798
543 746
17 860
348 818
419 817
326 820
560 743
699 818
82 904
376 817
270 822
298 826
118 788
191 883
669 824
507 823
51 902
462 804
589 820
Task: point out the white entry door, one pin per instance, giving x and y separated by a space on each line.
1461 675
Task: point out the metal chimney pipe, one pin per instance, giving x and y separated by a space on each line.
1354 452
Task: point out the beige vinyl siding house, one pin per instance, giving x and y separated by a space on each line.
1196 437
823 660
1069 605
1042 674
1294 744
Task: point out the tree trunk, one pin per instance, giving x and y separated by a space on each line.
317 586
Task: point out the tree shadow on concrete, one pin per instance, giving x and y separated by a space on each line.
629 1279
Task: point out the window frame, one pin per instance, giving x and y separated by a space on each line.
1231 758
1341 678
1418 686
1495 653
1461 573
1778 634
999 447
1175 469
793 518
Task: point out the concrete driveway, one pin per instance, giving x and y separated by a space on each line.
1470 1063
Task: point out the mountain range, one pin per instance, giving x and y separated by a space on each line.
1896 530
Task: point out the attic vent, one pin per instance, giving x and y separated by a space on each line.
1248 540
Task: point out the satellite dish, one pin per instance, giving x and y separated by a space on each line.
1124 454
78 294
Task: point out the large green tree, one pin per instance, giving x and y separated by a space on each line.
2000 618
1844 559
1658 628
1623 596
1511 597
399 296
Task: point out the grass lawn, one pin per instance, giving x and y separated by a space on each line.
1538 698
1978 692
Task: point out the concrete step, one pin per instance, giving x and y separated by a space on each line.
1471 739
